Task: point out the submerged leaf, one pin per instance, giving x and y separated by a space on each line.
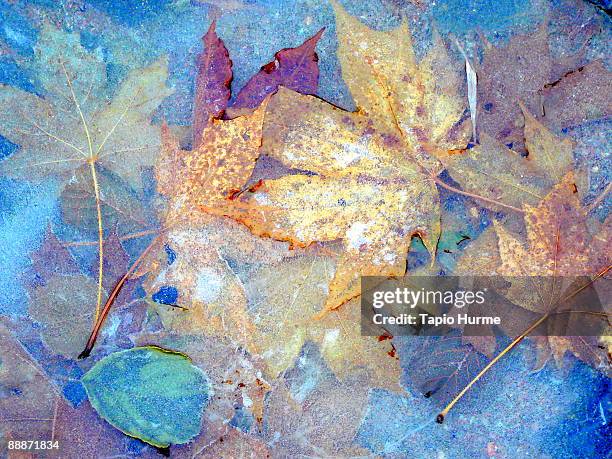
578 97
27 397
212 90
367 176
558 245
494 171
75 129
283 321
50 259
498 173
293 68
149 393
442 365
63 307
120 204
552 155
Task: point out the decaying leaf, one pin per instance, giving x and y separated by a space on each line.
75 125
579 96
255 294
494 171
442 365
293 68
63 307
498 173
283 320
358 191
27 397
558 244
207 177
213 81
368 177
149 393
211 298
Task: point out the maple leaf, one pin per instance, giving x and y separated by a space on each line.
517 71
506 179
293 68
295 408
559 245
209 175
578 96
27 396
216 300
75 127
60 289
256 294
283 320
558 239
370 176
211 294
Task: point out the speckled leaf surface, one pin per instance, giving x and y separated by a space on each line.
150 393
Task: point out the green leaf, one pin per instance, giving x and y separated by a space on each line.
150 393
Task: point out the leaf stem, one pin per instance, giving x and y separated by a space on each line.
92 166
94 176
445 185
517 340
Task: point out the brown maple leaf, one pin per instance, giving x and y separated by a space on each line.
545 273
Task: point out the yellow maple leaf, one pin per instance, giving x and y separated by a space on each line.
207 177
369 176
267 312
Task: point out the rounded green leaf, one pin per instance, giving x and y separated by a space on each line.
149 393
